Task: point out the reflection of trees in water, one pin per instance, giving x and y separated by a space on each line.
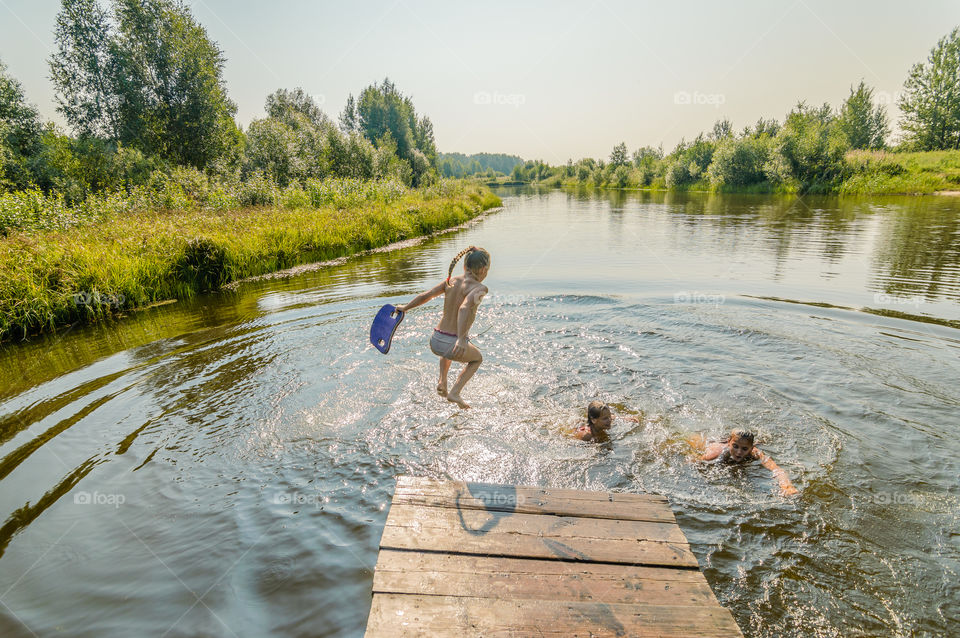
821 224
824 225
617 198
405 267
144 333
919 249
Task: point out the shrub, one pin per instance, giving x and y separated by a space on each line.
811 147
257 190
678 174
737 162
203 265
272 149
620 176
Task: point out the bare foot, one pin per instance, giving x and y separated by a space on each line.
455 398
441 389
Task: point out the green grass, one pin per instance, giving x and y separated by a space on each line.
908 173
62 265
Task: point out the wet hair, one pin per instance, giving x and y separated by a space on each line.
476 259
739 434
595 411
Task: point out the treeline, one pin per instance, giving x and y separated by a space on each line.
814 148
483 164
140 84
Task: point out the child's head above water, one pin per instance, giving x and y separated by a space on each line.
741 444
477 262
599 416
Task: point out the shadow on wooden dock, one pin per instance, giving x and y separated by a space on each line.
475 559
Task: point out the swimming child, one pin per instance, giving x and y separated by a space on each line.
739 448
599 420
450 340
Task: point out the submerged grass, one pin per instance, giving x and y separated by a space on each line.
85 266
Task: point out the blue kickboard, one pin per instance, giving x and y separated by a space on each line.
384 325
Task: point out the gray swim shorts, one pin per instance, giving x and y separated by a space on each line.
442 343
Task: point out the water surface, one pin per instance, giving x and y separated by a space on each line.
224 466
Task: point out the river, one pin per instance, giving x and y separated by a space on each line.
224 466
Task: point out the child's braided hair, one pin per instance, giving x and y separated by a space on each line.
476 258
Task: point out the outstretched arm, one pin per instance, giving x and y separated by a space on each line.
424 297
712 451
700 451
785 485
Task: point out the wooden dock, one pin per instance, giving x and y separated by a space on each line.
474 559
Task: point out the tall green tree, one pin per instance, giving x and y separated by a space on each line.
722 129
930 105
291 143
283 104
85 69
348 119
381 110
174 101
424 140
21 133
619 156
145 75
864 124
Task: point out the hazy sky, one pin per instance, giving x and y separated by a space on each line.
548 80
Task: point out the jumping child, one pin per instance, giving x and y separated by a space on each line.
739 448
450 340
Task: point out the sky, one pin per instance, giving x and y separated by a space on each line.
544 80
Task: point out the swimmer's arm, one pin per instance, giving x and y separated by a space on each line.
424 297
785 485
713 451
583 433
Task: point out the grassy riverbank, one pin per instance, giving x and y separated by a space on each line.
853 173
874 172
62 264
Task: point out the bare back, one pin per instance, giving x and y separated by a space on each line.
454 295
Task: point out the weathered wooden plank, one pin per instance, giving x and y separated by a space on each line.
401 615
518 578
534 536
422 483
532 500
479 522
